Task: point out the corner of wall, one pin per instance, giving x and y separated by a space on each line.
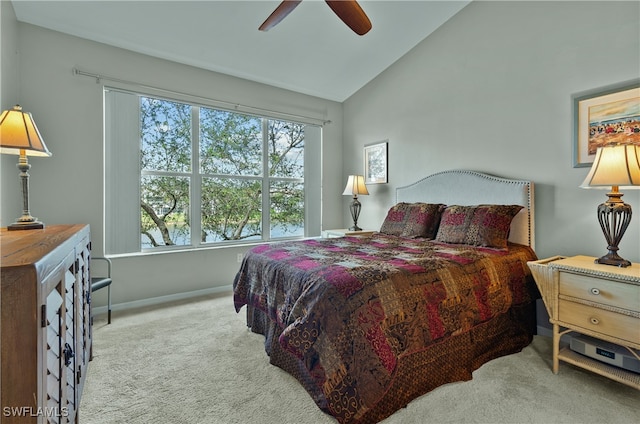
8 57
9 83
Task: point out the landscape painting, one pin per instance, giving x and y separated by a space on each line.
610 117
616 122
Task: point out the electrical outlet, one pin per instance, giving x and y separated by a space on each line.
240 255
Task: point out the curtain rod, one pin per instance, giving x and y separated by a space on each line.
236 106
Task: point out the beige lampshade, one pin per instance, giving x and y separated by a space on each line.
355 186
615 165
19 133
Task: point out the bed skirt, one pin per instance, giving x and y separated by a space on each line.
453 359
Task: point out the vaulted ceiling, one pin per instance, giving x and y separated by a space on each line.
311 51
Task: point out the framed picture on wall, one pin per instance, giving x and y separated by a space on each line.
375 163
604 116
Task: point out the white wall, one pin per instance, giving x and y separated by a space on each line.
491 91
67 187
8 58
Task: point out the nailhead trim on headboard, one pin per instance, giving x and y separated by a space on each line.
466 187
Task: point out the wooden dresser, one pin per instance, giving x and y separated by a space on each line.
46 326
596 300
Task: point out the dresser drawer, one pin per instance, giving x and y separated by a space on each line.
599 320
607 292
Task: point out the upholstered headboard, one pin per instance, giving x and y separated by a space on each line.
461 187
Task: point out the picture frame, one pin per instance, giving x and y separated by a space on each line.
603 116
375 163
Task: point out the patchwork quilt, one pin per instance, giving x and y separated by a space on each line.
349 309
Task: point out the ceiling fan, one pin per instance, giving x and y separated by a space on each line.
348 10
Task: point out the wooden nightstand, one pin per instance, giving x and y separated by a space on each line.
345 232
600 301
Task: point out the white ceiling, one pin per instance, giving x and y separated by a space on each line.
311 51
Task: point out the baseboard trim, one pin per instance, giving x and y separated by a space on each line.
544 331
161 299
548 332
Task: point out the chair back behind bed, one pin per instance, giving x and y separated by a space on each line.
463 187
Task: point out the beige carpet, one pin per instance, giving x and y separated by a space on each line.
195 362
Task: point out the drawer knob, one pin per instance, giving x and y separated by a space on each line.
595 291
594 320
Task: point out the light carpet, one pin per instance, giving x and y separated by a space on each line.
195 362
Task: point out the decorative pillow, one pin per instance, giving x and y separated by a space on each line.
413 220
454 224
482 225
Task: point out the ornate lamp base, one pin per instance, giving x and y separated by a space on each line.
26 221
614 217
355 213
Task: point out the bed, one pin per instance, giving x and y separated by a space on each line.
368 323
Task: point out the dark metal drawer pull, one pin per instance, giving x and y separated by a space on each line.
68 354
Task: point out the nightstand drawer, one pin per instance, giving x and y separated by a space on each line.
606 292
624 327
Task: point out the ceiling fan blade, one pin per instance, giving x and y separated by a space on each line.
279 14
351 14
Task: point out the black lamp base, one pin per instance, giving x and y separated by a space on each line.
355 213
613 259
614 216
32 225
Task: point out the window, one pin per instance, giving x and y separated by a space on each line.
180 174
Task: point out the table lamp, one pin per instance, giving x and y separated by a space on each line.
614 166
355 186
20 136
